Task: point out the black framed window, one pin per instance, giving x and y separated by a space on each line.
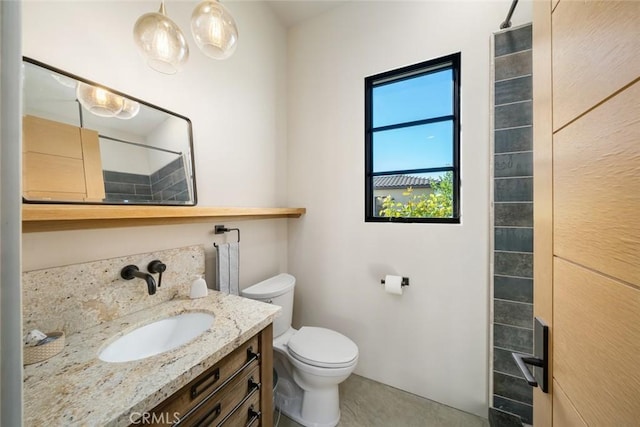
412 143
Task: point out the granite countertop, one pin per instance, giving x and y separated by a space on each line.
76 388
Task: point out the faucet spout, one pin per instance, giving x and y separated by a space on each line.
132 271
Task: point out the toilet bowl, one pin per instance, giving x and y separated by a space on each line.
311 362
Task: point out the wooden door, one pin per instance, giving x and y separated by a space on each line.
587 209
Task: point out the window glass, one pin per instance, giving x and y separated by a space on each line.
411 99
412 143
414 147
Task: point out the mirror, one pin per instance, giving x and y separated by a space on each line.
86 143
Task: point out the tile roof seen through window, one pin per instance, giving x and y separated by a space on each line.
400 181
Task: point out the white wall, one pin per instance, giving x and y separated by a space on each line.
10 215
236 107
432 341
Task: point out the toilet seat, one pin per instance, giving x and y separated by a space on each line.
322 347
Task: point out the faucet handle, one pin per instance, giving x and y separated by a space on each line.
157 266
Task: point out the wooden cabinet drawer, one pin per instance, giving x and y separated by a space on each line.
217 375
190 399
247 415
222 406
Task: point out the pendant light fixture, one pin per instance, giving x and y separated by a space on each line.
130 109
103 103
214 29
160 41
99 101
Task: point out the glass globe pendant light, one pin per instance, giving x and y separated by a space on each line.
214 29
130 109
160 41
99 101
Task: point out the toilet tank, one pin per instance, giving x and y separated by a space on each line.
276 290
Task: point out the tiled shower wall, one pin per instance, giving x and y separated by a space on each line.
513 221
168 183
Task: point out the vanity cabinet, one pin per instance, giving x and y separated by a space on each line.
236 391
61 161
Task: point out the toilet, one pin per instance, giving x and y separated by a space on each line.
310 362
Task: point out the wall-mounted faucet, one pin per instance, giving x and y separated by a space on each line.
132 271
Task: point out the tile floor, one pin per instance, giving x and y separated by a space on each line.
366 403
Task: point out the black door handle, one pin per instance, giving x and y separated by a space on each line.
522 360
540 361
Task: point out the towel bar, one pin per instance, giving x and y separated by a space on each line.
220 229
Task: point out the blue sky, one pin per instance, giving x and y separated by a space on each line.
415 147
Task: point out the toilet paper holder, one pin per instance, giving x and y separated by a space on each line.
403 283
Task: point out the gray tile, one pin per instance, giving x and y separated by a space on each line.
119 197
513 313
513 90
171 192
119 187
129 178
524 411
182 197
513 164
513 65
143 189
513 289
513 190
511 140
511 41
513 214
513 264
163 183
500 418
503 362
513 239
513 115
167 170
512 388
512 338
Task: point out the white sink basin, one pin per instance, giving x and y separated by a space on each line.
157 337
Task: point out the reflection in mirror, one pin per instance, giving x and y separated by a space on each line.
85 143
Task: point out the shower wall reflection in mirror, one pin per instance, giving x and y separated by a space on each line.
86 143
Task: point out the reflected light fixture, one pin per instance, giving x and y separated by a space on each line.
214 29
160 41
130 109
103 103
64 80
99 101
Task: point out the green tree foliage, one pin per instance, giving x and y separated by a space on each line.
437 204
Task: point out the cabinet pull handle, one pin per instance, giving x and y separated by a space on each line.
255 415
205 382
207 419
253 388
253 385
251 355
215 375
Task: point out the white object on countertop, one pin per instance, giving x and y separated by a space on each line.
199 288
33 338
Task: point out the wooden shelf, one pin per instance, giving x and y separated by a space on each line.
46 217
